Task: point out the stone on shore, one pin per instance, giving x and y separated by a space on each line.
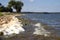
10 25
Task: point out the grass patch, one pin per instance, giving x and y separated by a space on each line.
1 14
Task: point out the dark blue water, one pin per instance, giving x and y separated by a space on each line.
50 19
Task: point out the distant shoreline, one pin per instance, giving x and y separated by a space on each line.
33 12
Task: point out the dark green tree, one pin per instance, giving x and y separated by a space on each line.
0 4
16 5
5 9
2 8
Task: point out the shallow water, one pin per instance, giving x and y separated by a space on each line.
49 19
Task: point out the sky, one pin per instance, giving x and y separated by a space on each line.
38 5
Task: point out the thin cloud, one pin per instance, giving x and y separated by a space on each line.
31 0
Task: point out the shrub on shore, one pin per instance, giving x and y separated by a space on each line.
1 14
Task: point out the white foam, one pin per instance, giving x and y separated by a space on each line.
39 30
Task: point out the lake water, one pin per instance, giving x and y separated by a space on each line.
50 19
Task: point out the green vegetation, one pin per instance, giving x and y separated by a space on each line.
12 4
16 5
1 14
5 9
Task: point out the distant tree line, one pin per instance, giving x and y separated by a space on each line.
17 5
